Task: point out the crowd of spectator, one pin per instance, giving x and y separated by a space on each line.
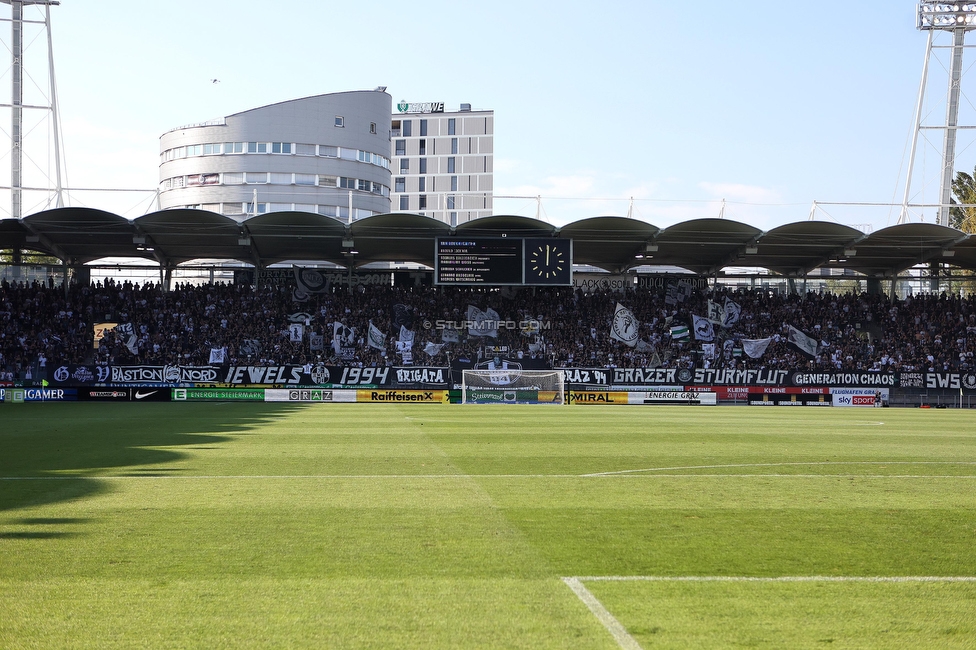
43 325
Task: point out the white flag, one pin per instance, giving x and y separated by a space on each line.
732 312
450 335
376 338
296 332
703 328
406 337
625 327
755 348
128 334
218 356
433 349
482 323
342 337
716 312
802 342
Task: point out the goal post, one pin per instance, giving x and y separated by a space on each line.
513 386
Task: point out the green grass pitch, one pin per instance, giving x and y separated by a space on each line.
366 526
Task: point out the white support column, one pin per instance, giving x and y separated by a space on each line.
952 121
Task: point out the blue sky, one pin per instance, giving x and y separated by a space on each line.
770 107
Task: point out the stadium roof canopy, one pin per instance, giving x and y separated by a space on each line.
704 246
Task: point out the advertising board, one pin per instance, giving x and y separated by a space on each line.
218 394
403 396
316 395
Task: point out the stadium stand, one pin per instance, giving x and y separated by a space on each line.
559 327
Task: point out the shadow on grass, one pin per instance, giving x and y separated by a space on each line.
56 452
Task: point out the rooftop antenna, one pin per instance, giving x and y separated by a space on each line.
957 18
17 105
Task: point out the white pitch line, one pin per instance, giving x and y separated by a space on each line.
618 631
797 464
627 642
398 477
870 579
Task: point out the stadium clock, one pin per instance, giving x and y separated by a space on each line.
548 261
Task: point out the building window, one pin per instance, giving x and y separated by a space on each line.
347 183
340 121
454 184
407 130
423 184
400 184
423 128
450 165
233 178
257 147
404 165
423 165
233 147
372 128
454 145
305 149
364 185
280 147
211 149
395 129
401 148
328 181
305 179
451 126
328 152
423 202
450 203
256 177
404 202
278 178
423 147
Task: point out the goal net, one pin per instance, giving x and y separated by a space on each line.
513 386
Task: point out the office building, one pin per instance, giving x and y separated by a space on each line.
328 154
442 161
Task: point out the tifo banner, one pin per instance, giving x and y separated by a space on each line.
327 376
80 375
142 375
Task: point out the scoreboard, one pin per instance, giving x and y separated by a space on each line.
503 261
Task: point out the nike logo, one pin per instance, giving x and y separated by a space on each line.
144 395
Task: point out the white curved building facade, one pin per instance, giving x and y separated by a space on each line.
328 154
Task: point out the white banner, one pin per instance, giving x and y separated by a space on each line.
755 348
296 332
732 312
704 331
376 338
625 327
803 343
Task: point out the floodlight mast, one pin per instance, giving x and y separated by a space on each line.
17 100
957 18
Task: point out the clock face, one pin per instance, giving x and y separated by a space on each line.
548 261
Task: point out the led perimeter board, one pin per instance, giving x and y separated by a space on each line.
498 261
